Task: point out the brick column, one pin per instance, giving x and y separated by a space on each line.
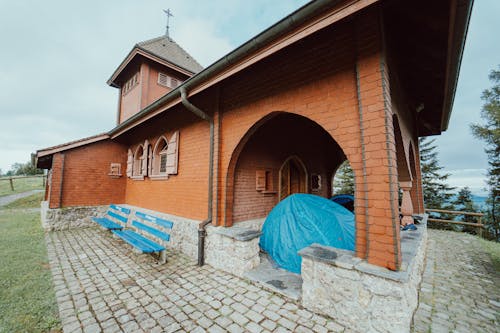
374 102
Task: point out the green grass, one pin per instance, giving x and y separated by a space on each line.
32 201
493 249
20 185
27 298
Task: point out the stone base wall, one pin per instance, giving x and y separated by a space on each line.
54 219
234 250
184 234
361 296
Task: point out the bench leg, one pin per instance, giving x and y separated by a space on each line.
163 256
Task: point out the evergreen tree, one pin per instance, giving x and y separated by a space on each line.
464 203
437 192
343 182
490 133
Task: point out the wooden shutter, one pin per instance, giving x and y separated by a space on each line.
130 163
260 180
173 154
144 166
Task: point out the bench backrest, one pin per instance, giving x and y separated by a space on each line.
154 219
120 214
152 227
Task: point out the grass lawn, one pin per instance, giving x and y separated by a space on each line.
493 249
20 185
27 298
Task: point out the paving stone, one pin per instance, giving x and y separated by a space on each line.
102 285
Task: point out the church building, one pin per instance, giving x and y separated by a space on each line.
215 149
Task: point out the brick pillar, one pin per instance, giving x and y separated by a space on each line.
374 102
56 181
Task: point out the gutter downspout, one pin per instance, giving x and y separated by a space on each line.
201 227
62 181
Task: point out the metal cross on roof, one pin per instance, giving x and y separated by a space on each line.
169 14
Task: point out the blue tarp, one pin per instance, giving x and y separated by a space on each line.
346 200
303 219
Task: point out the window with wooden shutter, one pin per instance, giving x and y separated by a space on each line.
130 162
144 159
260 180
264 181
173 154
163 79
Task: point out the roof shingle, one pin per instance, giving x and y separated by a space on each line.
167 49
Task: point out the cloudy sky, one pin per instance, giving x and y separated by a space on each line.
56 56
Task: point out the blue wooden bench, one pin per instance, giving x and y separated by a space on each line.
147 234
116 218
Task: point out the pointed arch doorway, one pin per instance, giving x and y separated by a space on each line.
293 177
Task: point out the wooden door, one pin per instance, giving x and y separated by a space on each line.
292 178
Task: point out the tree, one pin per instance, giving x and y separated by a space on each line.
437 192
489 132
464 203
27 168
343 182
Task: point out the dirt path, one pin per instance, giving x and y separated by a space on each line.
5 200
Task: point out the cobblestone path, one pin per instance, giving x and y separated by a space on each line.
460 291
101 286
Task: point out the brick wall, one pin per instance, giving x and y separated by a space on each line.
85 179
283 136
186 193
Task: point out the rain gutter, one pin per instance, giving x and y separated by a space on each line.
292 21
202 226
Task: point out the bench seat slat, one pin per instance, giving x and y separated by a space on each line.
117 216
108 224
161 222
139 242
152 231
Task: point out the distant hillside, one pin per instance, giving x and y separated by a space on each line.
479 201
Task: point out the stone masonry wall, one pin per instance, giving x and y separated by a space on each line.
234 250
362 296
54 219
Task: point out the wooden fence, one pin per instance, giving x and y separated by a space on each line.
478 225
11 179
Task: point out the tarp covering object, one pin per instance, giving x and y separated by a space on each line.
303 219
346 200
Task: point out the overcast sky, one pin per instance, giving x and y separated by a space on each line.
56 57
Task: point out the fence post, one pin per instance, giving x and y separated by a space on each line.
481 227
11 183
43 181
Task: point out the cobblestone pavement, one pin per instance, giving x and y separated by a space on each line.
102 286
460 291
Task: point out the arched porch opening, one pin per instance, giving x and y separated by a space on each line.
405 175
283 153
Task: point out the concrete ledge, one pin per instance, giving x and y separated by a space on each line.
238 233
234 250
362 296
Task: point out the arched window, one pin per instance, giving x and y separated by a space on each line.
159 158
138 163
138 160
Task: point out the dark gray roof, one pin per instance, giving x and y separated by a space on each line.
167 49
